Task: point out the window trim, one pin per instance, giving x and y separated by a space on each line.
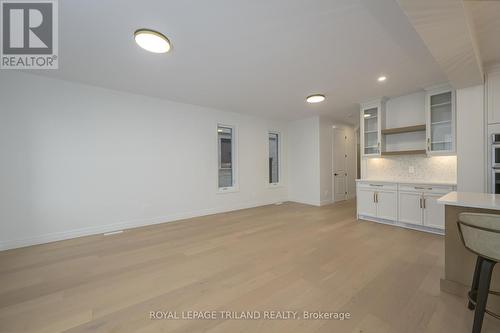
234 159
280 149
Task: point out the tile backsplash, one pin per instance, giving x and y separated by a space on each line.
435 168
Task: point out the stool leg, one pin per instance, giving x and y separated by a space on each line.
482 294
475 282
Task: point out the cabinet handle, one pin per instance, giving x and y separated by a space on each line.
376 197
428 144
378 146
423 202
378 185
420 200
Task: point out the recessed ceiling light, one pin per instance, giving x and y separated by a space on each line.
152 41
382 78
316 98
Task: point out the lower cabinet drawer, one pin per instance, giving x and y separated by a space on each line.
378 185
437 189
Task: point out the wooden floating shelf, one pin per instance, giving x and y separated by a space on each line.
404 152
407 129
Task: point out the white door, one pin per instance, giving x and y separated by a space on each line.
410 210
339 165
433 212
387 205
366 202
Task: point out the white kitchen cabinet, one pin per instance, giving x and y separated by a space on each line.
418 205
433 211
440 120
387 205
372 119
377 200
406 205
493 95
410 207
366 202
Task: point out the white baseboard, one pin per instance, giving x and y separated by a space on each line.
326 202
306 202
402 225
95 230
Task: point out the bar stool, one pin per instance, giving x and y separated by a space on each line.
480 234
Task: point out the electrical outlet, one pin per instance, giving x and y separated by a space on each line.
411 169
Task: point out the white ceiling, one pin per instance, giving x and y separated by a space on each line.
248 56
485 17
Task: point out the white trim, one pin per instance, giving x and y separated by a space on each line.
101 229
327 202
111 233
224 190
363 218
306 202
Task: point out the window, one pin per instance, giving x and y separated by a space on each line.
225 149
274 153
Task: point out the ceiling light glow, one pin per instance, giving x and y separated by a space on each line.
152 41
316 98
382 78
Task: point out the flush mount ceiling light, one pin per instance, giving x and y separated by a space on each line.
316 98
382 78
152 41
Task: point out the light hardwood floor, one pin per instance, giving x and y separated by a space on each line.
288 257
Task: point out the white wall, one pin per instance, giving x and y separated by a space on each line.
79 160
310 144
326 160
304 161
471 143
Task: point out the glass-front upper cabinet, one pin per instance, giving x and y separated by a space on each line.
440 107
371 120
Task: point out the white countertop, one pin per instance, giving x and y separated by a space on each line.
408 181
471 199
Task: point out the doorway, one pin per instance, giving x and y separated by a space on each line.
339 164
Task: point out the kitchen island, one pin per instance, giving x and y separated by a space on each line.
459 262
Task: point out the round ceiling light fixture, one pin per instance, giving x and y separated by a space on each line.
316 98
152 41
382 78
